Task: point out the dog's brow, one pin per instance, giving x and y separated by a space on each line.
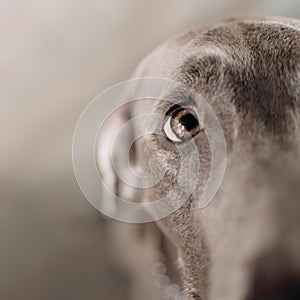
178 98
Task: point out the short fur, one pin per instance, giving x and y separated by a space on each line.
246 242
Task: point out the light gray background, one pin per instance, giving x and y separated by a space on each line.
55 57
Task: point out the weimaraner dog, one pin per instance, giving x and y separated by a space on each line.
245 245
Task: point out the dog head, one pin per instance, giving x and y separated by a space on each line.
245 243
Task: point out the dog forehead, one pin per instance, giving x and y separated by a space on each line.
252 63
235 38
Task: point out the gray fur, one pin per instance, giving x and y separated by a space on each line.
248 71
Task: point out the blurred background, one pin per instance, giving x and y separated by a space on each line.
55 57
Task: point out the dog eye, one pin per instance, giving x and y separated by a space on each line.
182 125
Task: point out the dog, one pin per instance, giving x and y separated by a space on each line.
245 244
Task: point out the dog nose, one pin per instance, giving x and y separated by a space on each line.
287 291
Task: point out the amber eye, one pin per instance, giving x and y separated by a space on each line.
182 125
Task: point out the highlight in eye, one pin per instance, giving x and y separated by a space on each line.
182 125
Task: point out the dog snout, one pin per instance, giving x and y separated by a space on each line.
274 275
288 289
262 210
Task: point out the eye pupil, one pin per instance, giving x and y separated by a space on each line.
188 121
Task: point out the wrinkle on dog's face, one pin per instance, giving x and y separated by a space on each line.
248 72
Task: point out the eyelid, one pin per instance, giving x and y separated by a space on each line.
176 106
